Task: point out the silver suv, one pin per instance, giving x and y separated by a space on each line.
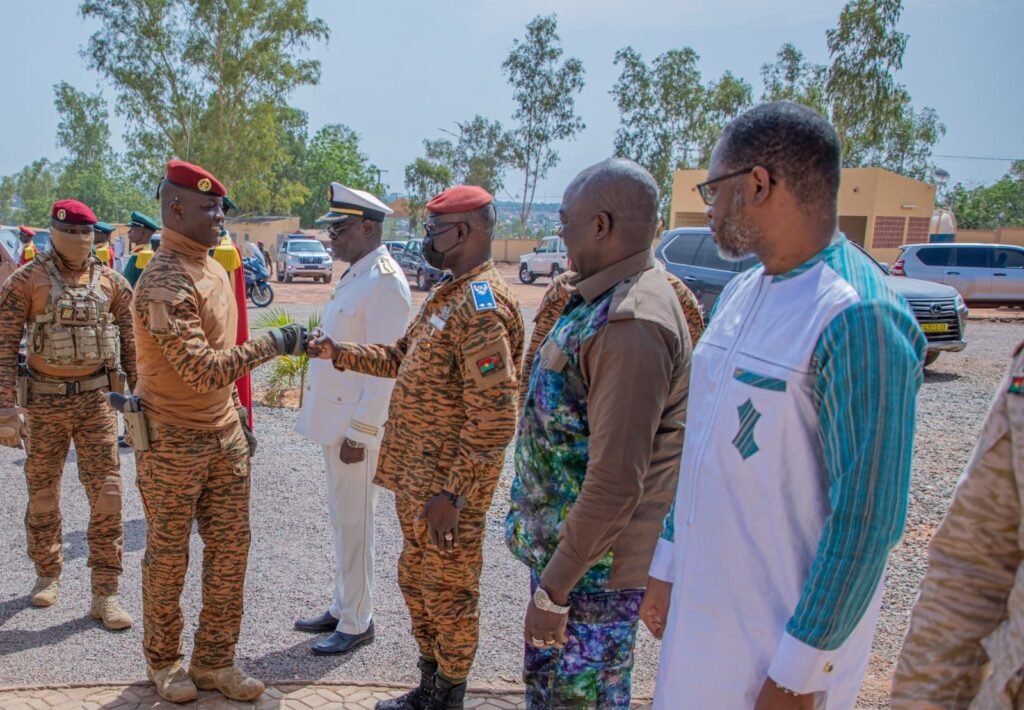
304 256
549 259
984 274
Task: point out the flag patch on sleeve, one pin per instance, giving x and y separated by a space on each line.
1017 385
490 364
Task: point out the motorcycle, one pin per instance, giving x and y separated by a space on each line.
257 287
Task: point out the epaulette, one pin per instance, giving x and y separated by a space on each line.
385 265
142 258
483 296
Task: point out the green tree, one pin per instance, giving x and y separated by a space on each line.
423 180
333 155
668 118
792 78
91 171
544 89
481 155
1000 204
27 196
207 81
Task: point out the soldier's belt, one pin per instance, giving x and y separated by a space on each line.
68 387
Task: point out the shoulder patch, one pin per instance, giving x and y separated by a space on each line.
385 265
483 296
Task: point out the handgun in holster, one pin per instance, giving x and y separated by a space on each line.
136 428
21 394
117 379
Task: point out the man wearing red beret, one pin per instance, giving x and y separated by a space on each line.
453 413
79 338
194 461
29 251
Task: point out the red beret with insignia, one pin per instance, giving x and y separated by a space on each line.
27 231
195 178
72 212
461 198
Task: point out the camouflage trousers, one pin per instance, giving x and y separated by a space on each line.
442 592
54 421
191 475
594 668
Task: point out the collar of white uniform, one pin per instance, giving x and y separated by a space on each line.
364 264
835 245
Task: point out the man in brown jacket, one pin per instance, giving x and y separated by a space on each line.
970 613
196 465
597 456
453 413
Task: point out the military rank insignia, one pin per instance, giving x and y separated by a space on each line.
483 297
490 364
1016 384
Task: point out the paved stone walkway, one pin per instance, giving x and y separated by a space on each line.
299 697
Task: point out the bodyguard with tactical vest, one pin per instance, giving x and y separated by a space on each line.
80 346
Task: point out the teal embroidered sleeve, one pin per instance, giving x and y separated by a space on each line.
868 371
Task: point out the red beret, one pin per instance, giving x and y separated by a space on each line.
195 178
461 198
72 212
27 231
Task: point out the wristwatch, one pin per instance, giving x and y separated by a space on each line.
354 444
542 601
458 501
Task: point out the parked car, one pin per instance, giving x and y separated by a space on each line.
10 252
692 256
413 264
395 248
984 274
549 258
304 256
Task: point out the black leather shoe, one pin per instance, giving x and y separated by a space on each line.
325 623
339 642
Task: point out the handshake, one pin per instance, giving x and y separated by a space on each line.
294 339
290 339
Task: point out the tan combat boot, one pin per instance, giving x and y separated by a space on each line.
45 591
231 682
173 683
109 610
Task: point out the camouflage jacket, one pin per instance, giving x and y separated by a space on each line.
453 409
553 303
971 608
26 294
185 322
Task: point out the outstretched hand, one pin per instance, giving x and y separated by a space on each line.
321 346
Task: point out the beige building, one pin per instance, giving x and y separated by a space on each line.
878 209
261 229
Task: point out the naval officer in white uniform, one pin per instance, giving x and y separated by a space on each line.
345 412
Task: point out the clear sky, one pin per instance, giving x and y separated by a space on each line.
398 72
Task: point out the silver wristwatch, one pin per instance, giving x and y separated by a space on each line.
542 601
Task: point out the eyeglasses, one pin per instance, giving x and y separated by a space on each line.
708 195
432 231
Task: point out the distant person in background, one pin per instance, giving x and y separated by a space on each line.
28 248
101 243
267 261
140 231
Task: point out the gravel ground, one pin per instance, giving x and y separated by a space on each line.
290 561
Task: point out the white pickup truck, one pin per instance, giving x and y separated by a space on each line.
548 259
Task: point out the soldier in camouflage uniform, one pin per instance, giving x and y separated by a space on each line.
453 413
196 465
79 338
965 647
553 303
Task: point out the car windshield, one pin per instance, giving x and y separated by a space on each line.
310 246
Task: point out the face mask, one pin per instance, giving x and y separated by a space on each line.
73 249
432 255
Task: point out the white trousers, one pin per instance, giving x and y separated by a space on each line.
351 497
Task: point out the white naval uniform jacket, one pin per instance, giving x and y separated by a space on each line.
370 304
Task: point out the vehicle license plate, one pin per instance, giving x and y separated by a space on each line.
935 327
